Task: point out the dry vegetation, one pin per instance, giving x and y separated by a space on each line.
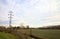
29 33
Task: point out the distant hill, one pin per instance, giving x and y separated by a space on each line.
51 27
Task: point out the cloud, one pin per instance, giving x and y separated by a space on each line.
3 2
32 12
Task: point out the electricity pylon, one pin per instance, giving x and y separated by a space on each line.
10 18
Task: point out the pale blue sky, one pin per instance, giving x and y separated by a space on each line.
35 13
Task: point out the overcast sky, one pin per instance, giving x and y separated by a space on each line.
35 13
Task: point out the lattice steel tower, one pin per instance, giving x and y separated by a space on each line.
10 18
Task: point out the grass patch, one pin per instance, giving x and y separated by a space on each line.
7 36
43 33
49 33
